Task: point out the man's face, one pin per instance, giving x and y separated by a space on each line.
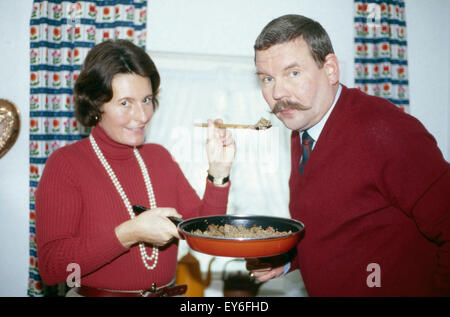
296 89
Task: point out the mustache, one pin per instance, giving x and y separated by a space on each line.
282 105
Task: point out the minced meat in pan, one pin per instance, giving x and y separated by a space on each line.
230 231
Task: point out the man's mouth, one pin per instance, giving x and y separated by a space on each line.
287 110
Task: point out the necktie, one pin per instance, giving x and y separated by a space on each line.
307 143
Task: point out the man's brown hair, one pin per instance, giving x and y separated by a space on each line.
290 27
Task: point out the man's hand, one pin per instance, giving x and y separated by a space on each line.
263 270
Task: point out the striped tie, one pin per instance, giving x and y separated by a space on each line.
307 143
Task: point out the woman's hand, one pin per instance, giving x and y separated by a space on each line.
220 149
152 227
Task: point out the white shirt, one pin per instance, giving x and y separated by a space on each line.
315 130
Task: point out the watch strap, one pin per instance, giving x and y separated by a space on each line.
218 180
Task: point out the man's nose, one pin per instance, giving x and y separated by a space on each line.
279 91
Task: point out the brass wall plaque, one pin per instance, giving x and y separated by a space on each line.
9 125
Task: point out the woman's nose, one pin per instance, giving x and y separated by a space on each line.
143 113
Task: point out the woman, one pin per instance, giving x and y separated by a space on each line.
84 199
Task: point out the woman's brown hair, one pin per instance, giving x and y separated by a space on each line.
105 60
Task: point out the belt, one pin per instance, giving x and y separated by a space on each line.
164 291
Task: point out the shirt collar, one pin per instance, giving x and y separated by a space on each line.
315 130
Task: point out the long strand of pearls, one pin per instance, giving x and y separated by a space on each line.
144 255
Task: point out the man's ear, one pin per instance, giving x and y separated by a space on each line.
331 66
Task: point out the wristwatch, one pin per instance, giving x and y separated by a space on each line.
218 180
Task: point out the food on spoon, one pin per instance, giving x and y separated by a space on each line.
231 231
263 124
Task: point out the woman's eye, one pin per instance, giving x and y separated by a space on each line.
124 103
148 100
295 73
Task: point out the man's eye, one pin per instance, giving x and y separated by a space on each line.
294 73
267 80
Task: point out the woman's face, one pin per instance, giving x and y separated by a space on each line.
126 116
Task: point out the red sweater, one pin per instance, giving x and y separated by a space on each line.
78 207
376 189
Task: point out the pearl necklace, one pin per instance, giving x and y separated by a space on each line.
148 184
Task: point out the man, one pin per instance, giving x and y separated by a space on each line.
367 180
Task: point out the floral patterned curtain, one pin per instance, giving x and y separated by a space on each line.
61 34
380 41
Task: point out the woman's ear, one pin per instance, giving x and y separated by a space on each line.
331 65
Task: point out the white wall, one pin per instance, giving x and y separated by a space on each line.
14 166
220 27
428 28
231 27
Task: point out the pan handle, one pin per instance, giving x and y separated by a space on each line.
176 221
139 209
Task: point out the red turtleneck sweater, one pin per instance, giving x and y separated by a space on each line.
78 208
